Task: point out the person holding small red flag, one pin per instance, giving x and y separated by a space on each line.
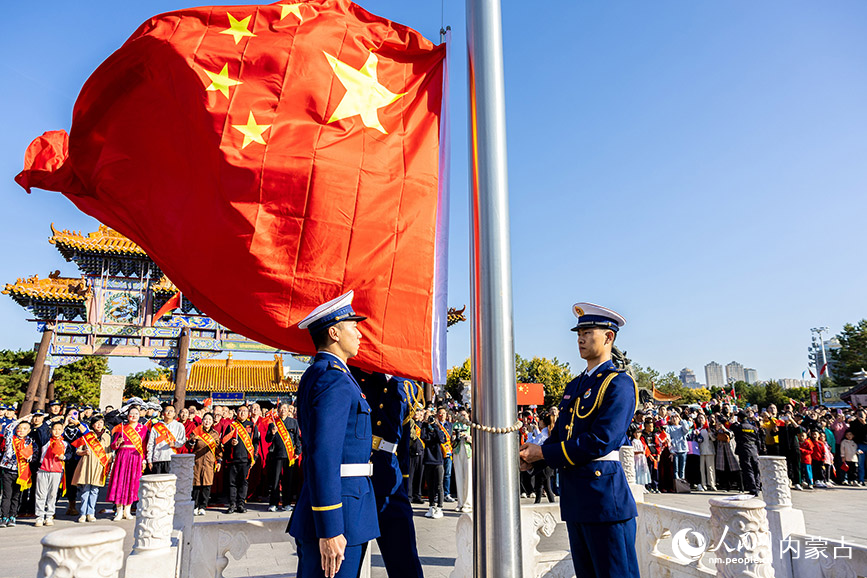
240 445
283 451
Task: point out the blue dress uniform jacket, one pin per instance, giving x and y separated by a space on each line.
335 425
392 400
594 416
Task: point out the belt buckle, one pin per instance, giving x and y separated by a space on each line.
377 441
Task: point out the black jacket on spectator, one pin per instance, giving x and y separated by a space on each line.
277 449
432 436
859 431
238 453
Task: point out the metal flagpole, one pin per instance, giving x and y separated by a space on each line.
497 530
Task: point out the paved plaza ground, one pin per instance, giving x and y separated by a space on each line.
829 514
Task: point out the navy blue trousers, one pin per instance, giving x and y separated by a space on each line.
397 536
310 560
603 550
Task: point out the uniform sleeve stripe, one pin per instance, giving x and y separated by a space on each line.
563 447
325 508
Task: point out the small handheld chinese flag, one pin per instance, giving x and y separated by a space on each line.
268 159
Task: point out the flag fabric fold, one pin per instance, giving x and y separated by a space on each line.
270 158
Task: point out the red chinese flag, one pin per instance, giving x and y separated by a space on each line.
270 158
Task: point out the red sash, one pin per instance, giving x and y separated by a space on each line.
165 435
209 441
127 431
93 444
287 441
245 438
447 446
23 453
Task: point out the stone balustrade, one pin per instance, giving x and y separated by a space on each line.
182 467
154 554
82 552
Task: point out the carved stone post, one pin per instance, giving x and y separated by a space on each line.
741 539
182 467
783 519
153 555
82 552
627 460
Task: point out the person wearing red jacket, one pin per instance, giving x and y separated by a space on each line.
818 458
806 460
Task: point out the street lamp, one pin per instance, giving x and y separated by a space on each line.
818 331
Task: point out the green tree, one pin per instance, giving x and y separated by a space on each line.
455 378
549 372
851 357
79 381
800 393
697 395
775 394
15 370
644 377
133 382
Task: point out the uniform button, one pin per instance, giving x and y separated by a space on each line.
381 406
380 423
598 473
384 390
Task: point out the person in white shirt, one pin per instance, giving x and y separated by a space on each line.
165 438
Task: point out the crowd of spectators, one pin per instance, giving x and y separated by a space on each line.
85 457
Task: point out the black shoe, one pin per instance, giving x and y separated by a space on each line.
417 501
241 509
230 510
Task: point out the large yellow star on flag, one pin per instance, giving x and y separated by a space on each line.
287 9
252 132
221 81
237 28
364 93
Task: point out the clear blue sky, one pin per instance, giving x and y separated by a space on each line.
697 166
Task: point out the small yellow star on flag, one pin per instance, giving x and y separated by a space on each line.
237 28
252 132
364 93
221 81
287 9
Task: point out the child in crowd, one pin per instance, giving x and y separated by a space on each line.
828 461
640 452
50 475
818 458
15 470
849 453
806 460
648 438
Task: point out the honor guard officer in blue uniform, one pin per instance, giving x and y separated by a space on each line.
335 516
393 401
597 408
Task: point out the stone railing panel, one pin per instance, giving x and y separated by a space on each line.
182 467
82 551
673 542
742 537
816 557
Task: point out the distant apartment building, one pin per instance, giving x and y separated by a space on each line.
789 383
751 376
735 372
713 374
687 377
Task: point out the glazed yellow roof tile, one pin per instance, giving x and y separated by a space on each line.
103 240
54 288
231 375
